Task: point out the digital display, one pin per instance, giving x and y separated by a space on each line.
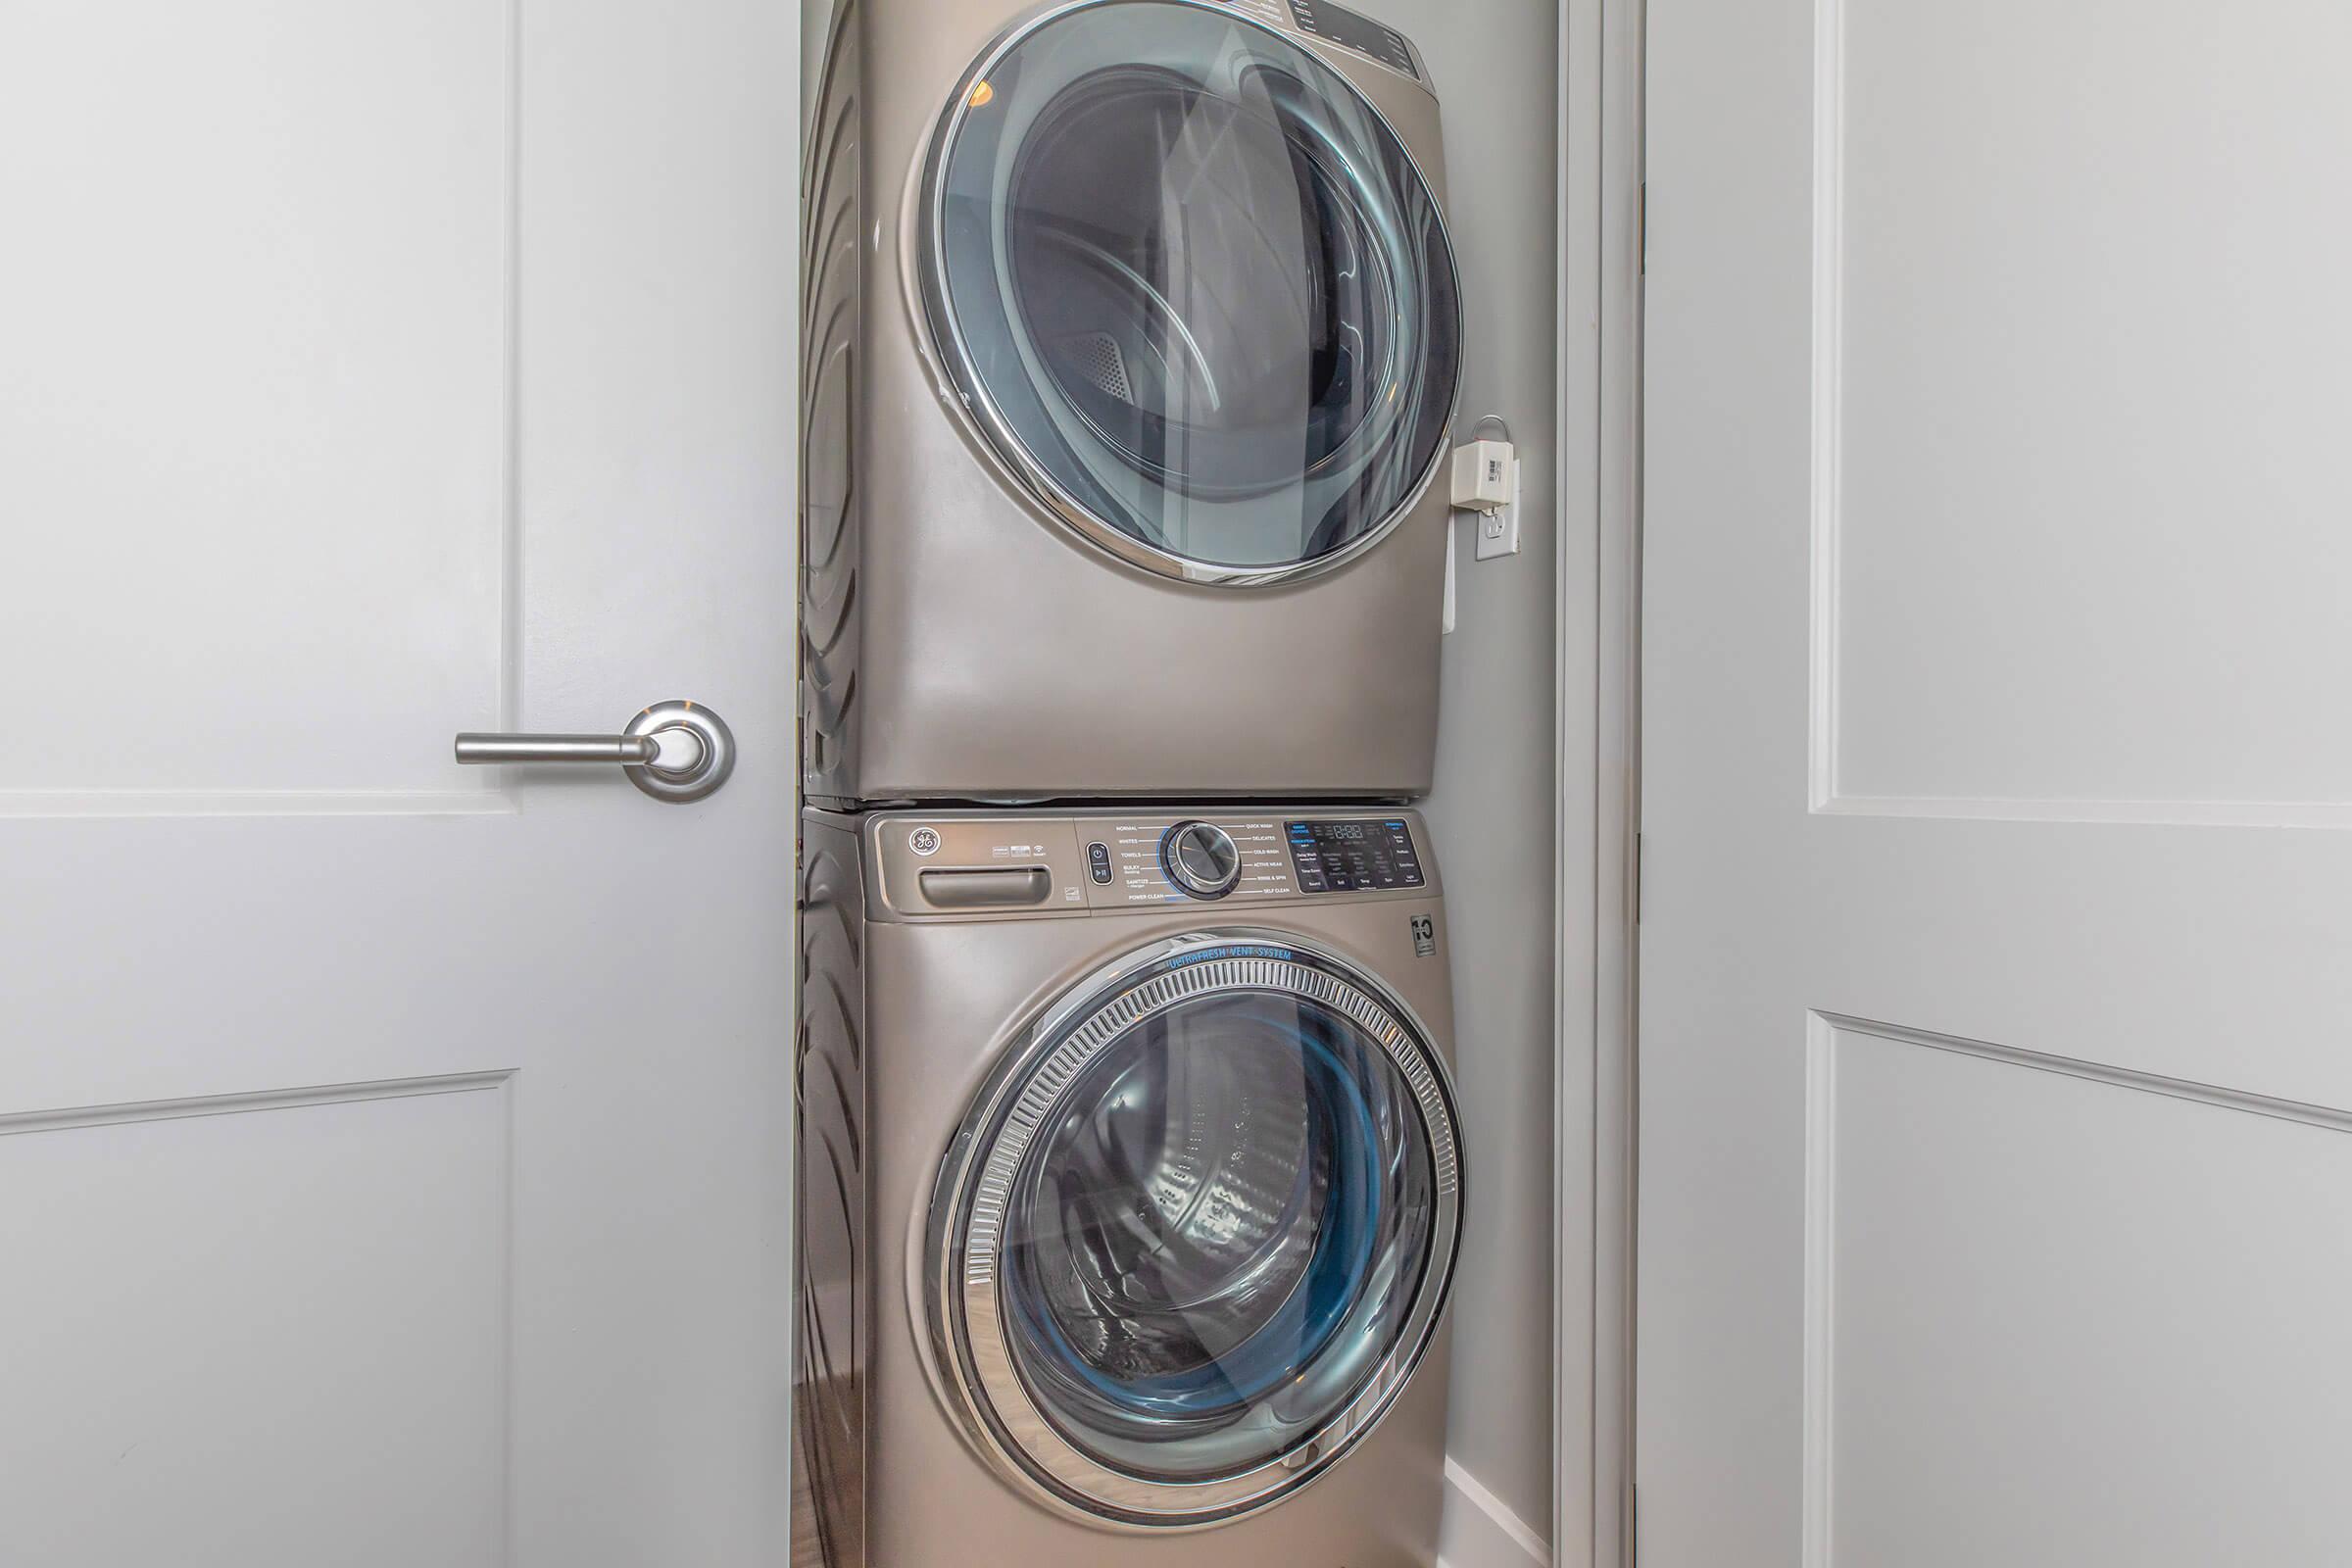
1358 32
1364 857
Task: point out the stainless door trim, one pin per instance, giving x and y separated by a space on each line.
922 264
966 1343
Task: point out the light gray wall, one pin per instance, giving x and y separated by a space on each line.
1492 811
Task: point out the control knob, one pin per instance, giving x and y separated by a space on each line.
1201 858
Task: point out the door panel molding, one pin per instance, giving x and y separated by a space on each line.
2056 690
231 1104
1828 381
1831 1027
2146 814
1830 1039
253 1313
256 398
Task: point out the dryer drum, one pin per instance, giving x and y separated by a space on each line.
1262 307
1192 284
1202 1236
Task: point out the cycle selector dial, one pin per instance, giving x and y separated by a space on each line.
1201 858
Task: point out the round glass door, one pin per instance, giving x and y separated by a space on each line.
1200 1234
1193 287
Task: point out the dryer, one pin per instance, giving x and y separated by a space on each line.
1133 338
1130 1189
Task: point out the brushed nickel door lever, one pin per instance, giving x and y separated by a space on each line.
675 752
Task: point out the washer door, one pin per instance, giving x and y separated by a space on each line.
1197 1234
1193 288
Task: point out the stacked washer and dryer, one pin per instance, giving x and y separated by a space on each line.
1130 1183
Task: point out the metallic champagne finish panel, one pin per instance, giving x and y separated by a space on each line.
831 316
967 646
944 996
831 1228
907 857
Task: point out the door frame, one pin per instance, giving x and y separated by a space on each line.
1601 241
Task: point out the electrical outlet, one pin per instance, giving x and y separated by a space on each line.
1498 529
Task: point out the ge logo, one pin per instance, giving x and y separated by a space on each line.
923 841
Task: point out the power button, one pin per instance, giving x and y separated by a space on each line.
1098 862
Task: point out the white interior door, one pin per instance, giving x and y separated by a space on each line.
1996 1191
391 1153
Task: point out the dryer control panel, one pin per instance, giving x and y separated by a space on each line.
1105 861
1351 30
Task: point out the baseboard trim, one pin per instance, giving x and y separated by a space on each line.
1479 1532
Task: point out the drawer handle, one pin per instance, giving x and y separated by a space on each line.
1014 888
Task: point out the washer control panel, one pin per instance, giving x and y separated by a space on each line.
980 865
1358 855
1180 860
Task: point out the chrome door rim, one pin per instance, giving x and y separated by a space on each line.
967 1212
945 346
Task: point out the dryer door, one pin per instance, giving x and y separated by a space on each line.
1191 287
1197 1232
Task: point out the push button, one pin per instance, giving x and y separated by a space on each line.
1098 862
1404 856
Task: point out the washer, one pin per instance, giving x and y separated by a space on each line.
1133 341
1130 1188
